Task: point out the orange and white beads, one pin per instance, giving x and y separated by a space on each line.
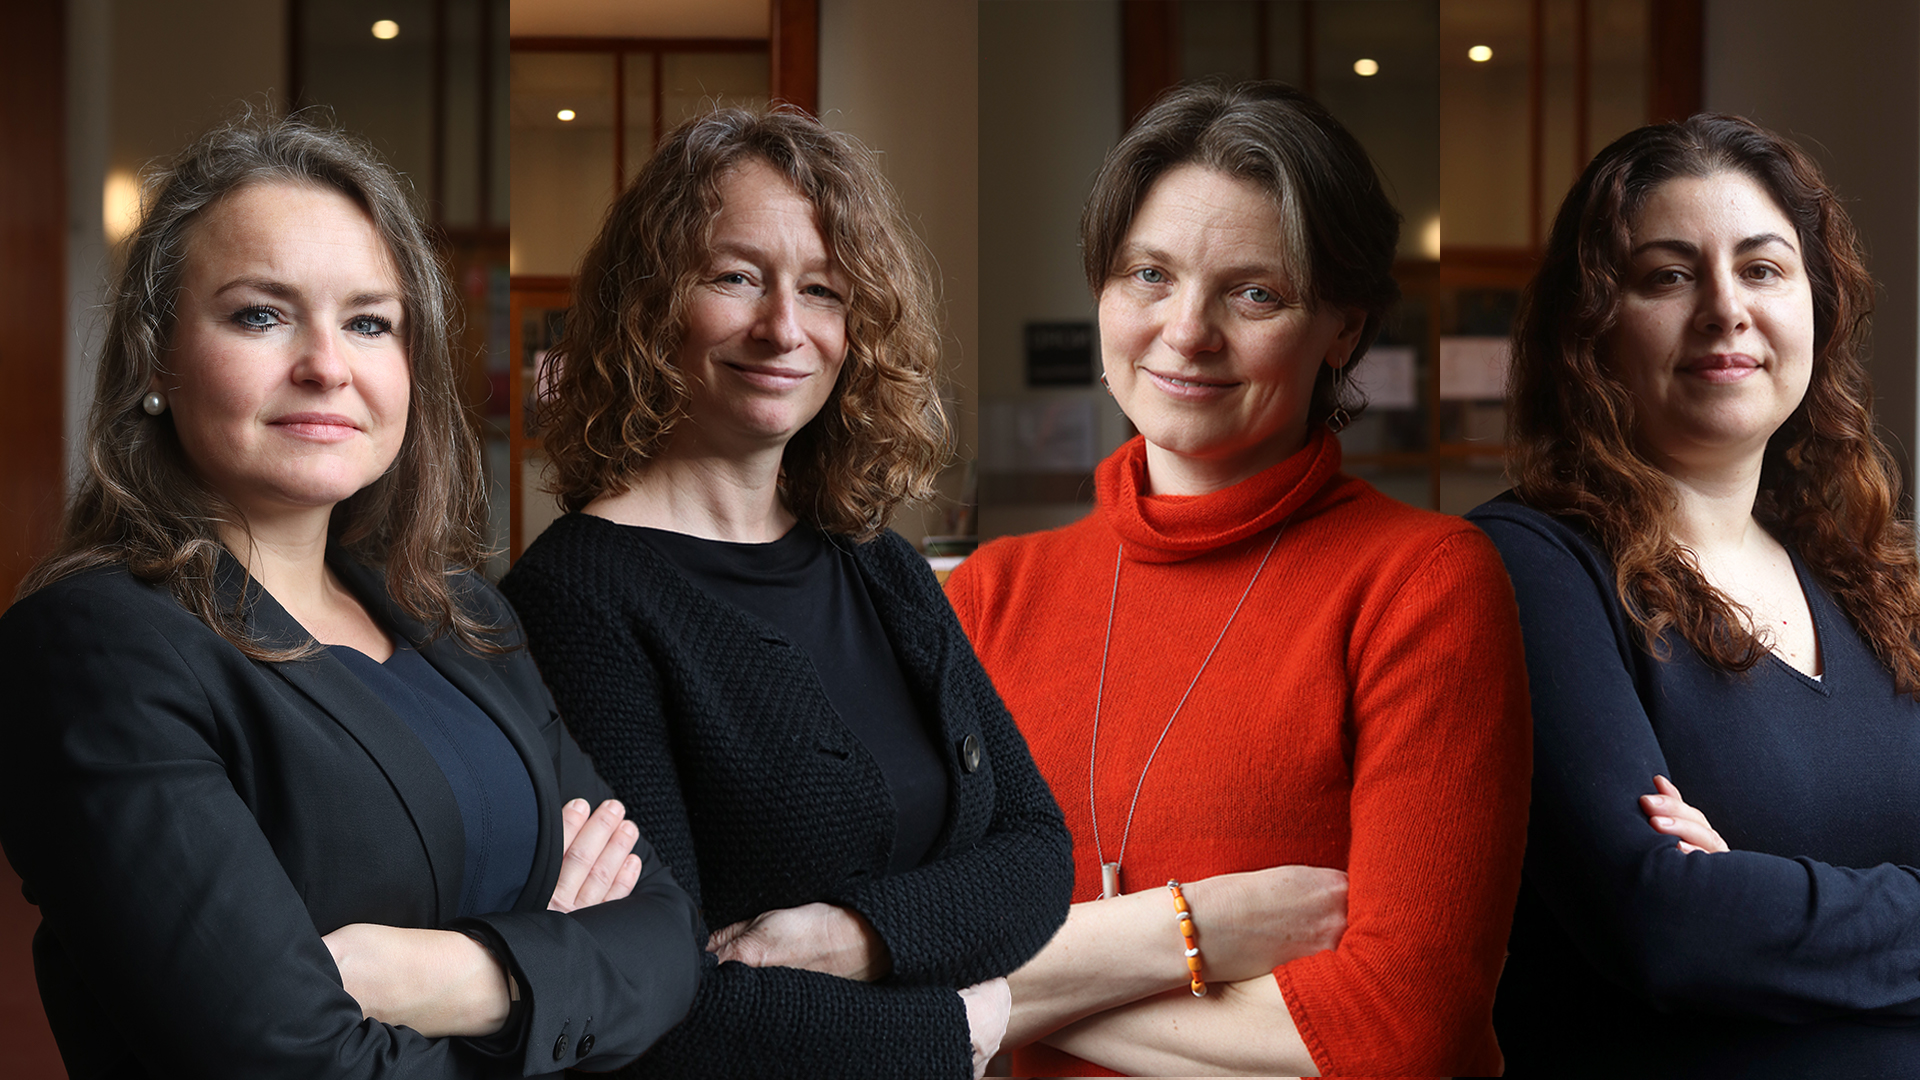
1185 919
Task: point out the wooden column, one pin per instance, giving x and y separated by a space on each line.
794 52
33 278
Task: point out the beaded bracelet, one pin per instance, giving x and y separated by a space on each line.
1185 918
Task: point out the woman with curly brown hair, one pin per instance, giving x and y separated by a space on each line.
773 682
1717 597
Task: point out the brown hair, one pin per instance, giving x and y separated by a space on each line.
1827 485
140 503
617 393
1341 230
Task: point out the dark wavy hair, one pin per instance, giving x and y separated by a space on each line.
140 503
617 393
1828 488
1341 229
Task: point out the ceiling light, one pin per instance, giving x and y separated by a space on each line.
1364 67
565 114
386 29
1479 54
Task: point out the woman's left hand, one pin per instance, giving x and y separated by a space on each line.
1668 813
818 937
437 982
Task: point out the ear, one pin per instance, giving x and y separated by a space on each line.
1352 321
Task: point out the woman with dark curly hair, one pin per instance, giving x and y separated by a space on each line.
774 684
1719 598
289 794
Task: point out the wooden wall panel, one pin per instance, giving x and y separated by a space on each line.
32 284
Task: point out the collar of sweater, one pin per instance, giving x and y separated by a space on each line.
1169 528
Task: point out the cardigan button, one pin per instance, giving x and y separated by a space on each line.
560 1047
585 1047
970 753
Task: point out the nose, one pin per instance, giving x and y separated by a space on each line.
1722 309
322 362
777 322
1190 328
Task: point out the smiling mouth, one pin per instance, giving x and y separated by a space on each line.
1189 386
1721 367
771 378
319 427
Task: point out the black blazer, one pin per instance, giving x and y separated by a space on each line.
190 822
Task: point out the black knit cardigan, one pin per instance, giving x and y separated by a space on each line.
714 730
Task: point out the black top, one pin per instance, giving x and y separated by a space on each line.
191 821
810 590
489 781
1795 954
714 729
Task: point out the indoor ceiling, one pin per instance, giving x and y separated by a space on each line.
641 18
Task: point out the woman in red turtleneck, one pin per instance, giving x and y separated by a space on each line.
1246 671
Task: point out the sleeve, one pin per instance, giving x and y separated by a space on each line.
1740 933
600 984
156 886
745 1021
1438 812
980 912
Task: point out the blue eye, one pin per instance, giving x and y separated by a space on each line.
369 325
820 291
257 317
1259 295
1150 275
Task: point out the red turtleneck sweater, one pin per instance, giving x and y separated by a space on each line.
1366 711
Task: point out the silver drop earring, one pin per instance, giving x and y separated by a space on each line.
1339 418
153 404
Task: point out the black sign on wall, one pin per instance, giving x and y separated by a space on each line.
1059 354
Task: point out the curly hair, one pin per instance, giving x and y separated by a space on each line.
1828 488
1341 229
140 502
617 392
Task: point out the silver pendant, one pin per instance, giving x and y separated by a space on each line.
1109 880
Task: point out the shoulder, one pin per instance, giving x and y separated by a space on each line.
1531 540
1001 566
105 603
1389 543
582 557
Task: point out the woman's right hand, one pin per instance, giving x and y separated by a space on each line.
1252 922
599 864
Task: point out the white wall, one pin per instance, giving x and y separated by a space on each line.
1845 85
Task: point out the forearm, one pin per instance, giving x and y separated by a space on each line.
1107 954
437 982
1238 1028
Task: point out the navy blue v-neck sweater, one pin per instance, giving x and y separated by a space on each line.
1798 952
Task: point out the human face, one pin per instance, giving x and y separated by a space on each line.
1207 346
1715 333
767 323
287 374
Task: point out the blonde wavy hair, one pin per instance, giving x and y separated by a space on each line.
617 393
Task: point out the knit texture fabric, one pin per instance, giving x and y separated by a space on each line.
714 730
1367 711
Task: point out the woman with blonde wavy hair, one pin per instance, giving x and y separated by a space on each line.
1719 597
772 682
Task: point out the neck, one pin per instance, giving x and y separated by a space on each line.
286 554
1170 472
713 496
1713 507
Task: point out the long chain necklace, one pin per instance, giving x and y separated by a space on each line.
1110 871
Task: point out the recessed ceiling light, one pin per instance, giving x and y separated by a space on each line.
1479 54
565 114
386 29
1364 67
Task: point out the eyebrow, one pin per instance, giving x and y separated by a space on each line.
284 291
1131 252
1689 249
751 251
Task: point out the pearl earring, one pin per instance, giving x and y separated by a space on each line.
153 404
